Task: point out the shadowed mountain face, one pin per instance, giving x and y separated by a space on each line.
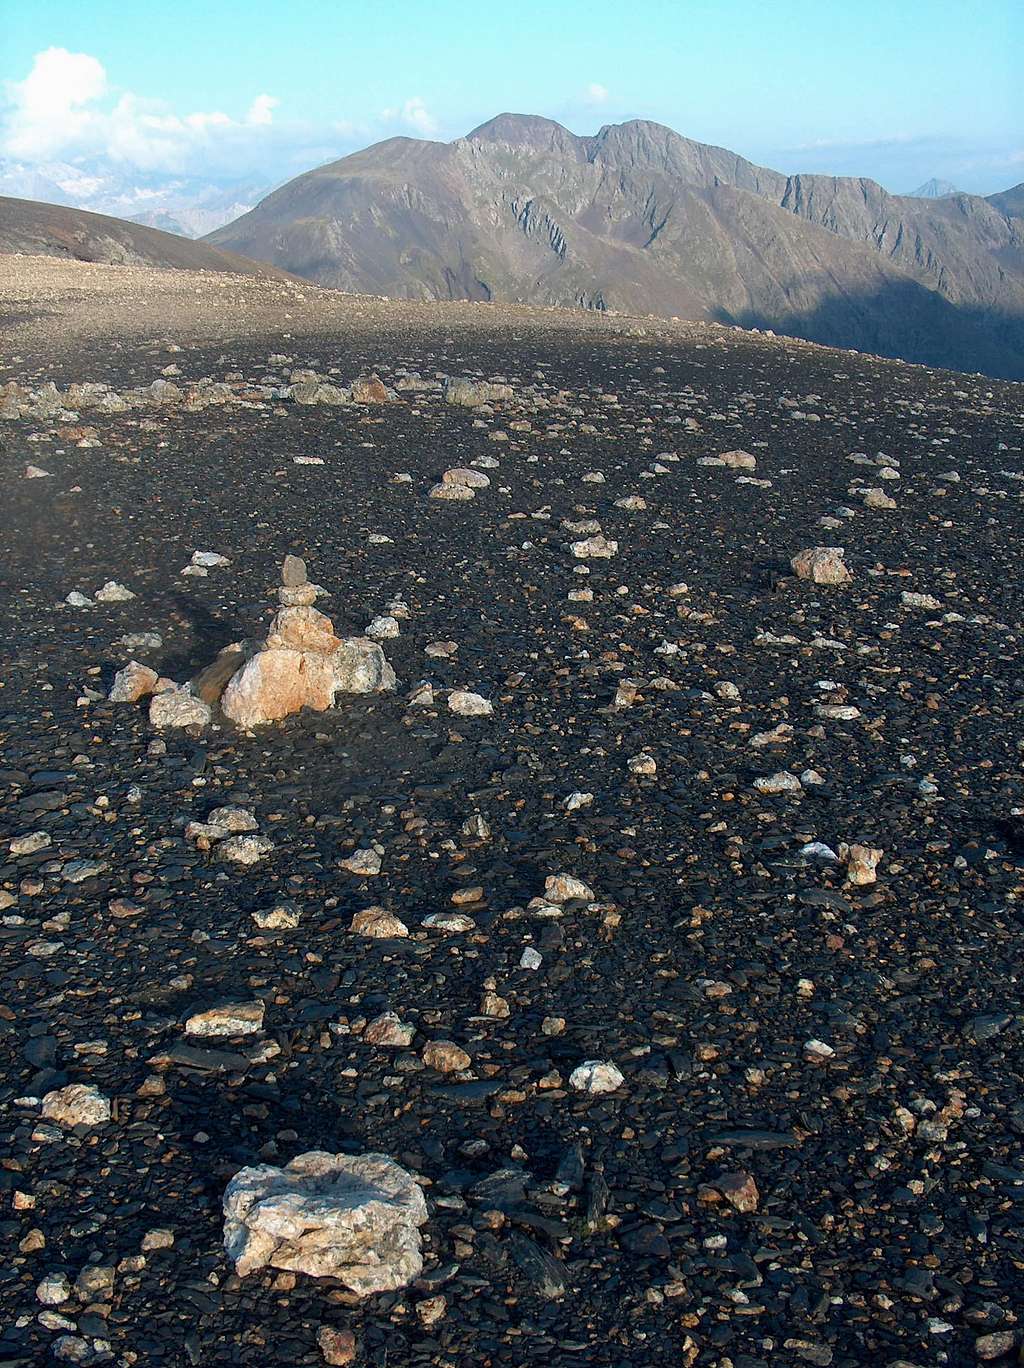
639 219
55 230
1010 201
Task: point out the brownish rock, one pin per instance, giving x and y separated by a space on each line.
369 389
133 682
302 629
276 683
337 1347
445 1056
739 1190
821 565
211 681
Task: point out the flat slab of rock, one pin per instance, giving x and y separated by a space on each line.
356 1218
232 1019
469 704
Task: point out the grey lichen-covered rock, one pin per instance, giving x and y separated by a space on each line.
310 392
472 393
469 479
356 1218
360 667
451 493
178 707
293 571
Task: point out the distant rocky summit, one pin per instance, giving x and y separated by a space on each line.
639 219
933 189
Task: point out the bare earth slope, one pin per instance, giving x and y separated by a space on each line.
33 228
640 219
811 1152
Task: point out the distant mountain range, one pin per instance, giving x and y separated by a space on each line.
635 218
187 205
35 229
640 219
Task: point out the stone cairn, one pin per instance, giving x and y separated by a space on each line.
301 664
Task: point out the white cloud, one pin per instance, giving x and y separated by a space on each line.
49 106
595 93
261 111
413 114
63 108
66 112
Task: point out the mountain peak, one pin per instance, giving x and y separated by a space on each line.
933 189
523 130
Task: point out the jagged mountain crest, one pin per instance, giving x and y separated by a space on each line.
637 217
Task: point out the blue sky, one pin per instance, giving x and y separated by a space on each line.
899 91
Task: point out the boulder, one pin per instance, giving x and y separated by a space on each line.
598 547
445 1056
596 1076
133 682
453 493
360 667
245 850
469 704
178 707
302 628
563 888
822 565
472 393
861 863
738 460
232 1019
369 389
78 1104
293 572
276 683
356 1218
378 924
461 475
389 1029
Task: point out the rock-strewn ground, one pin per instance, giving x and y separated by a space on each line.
814 1153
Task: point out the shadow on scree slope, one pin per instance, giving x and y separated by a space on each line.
907 322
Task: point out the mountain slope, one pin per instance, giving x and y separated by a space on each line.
1010 202
56 230
637 218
